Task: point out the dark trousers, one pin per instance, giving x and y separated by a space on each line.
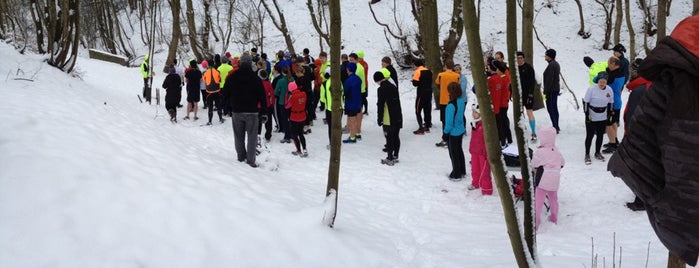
506 124
329 119
267 124
423 104
296 129
594 129
310 108
245 124
552 108
392 141
283 118
456 154
203 97
365 102
442 117
146 90
211 100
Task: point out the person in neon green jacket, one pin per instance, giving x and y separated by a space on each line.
595 68
224 70
326 98
146 73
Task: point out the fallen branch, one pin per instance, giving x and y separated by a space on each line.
23 79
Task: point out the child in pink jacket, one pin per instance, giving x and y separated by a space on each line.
550 159
480 169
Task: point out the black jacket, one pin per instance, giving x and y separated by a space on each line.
527 77
173 87
387 94
394 75
423 82
624 64
658 157
246 91
552 80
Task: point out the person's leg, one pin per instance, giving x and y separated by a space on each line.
553 205
296 129
506 125
358 123
532 121
210 105
195 107
539 197
486 181
251 123
499 123
396 143
460 160
388 145
268 125
351 125
428 110
590 130
365 101
442 110
238 135
599 132
450 147
418 112
203 98
552 108
302 139
219 106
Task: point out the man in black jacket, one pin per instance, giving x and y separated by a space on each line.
386 63
422 79
658 157
527 77
389 100
552 87
173 89
247 100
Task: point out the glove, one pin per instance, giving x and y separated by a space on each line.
379 122
263 119
588 119
322 107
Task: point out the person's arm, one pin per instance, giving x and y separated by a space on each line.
449 118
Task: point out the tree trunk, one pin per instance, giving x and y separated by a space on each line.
675 262
523 147
336 88
456 30
281 24
192 31
581 32
617 22
430 37
696 7
63 46
608 7
632 33
176 31
528 30
317 19
207 28
492 143
662 19
37 16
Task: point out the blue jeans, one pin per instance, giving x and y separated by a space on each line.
552 108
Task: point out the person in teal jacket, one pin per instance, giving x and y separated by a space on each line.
455 128
280 93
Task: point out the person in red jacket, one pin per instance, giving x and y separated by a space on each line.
296 104
480 168
498 85
266 116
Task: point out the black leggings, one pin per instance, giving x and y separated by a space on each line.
296 129
456 154
392 141
423 104
268 124
594 129
211 100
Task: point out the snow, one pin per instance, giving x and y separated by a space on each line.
90 177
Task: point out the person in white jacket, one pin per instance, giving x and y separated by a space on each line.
548 158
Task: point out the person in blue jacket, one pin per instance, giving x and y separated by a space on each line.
353 101
455 128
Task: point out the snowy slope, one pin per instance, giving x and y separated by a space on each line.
90 177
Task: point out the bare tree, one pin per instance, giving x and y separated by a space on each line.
632 33
318 20
426 12
492 143
206 30
280 22
662 18
673 261
528 29
582 31
331 192
63 28
37 17
617 22
696 7
192 31
456 30
648 25
225 27
175 7
608 7
404 55
249 21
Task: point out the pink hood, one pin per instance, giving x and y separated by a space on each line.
550 158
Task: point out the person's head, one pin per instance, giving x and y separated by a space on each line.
613 63
300 72
351 67
292 86
344 57
286 70
353 57
378 77
619 50
499 56
254 51
245 61
360 54
588 61
633 73
276 69
550 55
475 111
280 55
454 90
172 69
205 64
306 51
192 64
263 56
262 74
449 64
520 58
457 68
260 65
419 62
385 62
323 56
499 67
601 79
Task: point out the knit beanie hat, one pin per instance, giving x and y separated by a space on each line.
352 67
551 53
378 76
588 61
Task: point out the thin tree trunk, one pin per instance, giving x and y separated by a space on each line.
696 7
37 15
528 30
675 262
192 31
317 19
207 28
430 37
581 32
662 19
632 33
618 21
456 30
336 88
176 31
280 24
492 143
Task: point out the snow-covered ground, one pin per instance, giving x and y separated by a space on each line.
90 177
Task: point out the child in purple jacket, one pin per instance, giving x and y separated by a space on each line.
550 159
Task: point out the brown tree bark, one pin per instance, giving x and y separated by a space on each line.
317 19
280 23
608 7
456 30
429 31
662 19
696 7
336 127
528 30
617 22
175 7
192 31
37 15
632 33
206 49
675 262
582 31
66 35
490 132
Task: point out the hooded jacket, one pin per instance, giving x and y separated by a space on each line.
638 88
658 157
389 102
548 157
246 91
